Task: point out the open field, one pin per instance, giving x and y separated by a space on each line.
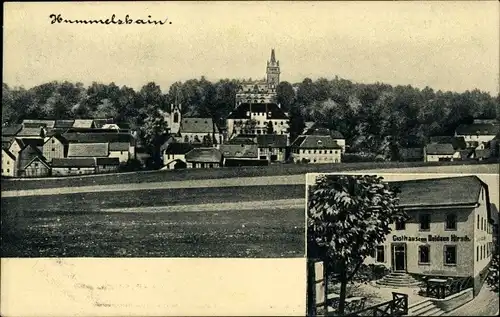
199 174
105 224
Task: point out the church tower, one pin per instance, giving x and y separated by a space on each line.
175 115
273 72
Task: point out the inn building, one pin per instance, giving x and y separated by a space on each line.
448 232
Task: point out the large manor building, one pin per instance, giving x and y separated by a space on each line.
263 91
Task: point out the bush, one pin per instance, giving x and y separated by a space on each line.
132 165
358 157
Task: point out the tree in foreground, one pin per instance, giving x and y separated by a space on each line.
348 216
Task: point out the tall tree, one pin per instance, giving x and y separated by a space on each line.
348 216
286 95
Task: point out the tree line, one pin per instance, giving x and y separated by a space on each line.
374 118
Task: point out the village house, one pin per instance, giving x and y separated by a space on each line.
478 132
32 130
174 155
8 134
63 125
84 123
315 149
120 150
73 166
448 232
199 131
103 137
9 166
436 152
272 147
19 143
107 164
55 146
258 118
335 135
241 152
31 162
204 158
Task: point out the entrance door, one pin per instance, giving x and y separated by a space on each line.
399 257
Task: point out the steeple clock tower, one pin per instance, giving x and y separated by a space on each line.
273 72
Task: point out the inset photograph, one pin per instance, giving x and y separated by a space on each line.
402 244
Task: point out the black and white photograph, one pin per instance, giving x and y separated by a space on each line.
403 244
140 132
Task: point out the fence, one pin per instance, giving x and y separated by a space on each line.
450 287
398 306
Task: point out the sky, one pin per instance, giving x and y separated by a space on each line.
444 45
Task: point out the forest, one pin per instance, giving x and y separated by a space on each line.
374 118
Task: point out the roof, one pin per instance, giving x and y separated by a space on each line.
107 161
36 142
197 125
243 139
315 142
58 137
28 153
73 162
241 111
204 155
462 190
240 151
99 123
38 123
178 148
458 143
11 130
83 123
272 140
9 154
101 137
64 124
41 159
478 129
30 132
119 146
439 149
88 150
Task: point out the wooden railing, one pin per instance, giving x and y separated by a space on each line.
398 306
448 287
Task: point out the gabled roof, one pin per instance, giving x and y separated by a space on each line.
83 123
58 137
23 142
324 131
478 129
40 159
88 150
178 148
64 124
239 151
272 140
462 190
11 130
27 153
243 139
107 161
439 149
27 123
98 137
315 142
458 143
276 113
197 125
30 132
8 153
73 162
204 155
119 146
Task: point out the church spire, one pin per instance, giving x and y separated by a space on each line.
273 58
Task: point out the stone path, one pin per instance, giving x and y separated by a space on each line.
486 303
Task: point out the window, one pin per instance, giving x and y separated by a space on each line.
8 162
424 254
380 254
478 221
477 253
400 225
425 222
451 222
8 170
450 255
53 141
331 151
